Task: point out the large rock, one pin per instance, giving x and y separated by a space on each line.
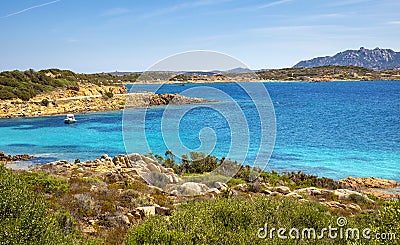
280 189
147 210
221 186
162 210
313 191
334 204
338 205
294 195
188 189
154 209
361 183
117 168
344 194
241 187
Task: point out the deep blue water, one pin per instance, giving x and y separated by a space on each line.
333 129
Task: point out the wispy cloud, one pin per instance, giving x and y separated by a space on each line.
393 22
116 12
325 28
347 2
30 8
271 4
71 40
281 28
182 6
323 16
259 7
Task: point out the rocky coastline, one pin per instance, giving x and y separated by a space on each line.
135 166
113 193
88 98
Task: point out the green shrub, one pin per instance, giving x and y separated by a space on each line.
44 182
232 221
387 220
25 85
24 218
108 94
235 181
358 199
44 102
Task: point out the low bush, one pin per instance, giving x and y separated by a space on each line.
44 182
24 218
45 102
233 221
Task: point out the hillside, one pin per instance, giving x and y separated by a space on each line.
376 59
25 85
328 73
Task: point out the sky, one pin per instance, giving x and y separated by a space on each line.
102 35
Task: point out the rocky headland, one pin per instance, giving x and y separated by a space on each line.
87 98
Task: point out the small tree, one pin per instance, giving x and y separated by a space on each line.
45 102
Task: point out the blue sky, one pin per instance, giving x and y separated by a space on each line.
103 35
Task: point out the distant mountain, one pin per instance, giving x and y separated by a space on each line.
376 59
238 70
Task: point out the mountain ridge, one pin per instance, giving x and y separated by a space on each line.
375 59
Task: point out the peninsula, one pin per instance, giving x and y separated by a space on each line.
55 92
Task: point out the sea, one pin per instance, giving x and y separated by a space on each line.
329 129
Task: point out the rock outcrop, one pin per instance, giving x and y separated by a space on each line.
176 99
382 188
188 189
362 183
9 158
119 168
88 98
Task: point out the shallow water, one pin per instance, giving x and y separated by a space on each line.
333 129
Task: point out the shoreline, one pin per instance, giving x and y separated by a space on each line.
251 81
89 104
97 101
378 187
350 180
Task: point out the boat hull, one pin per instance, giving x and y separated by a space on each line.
69 121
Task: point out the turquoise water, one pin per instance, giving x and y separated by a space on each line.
331 129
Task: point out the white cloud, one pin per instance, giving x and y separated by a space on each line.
30 8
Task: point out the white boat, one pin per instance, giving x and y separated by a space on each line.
69 119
